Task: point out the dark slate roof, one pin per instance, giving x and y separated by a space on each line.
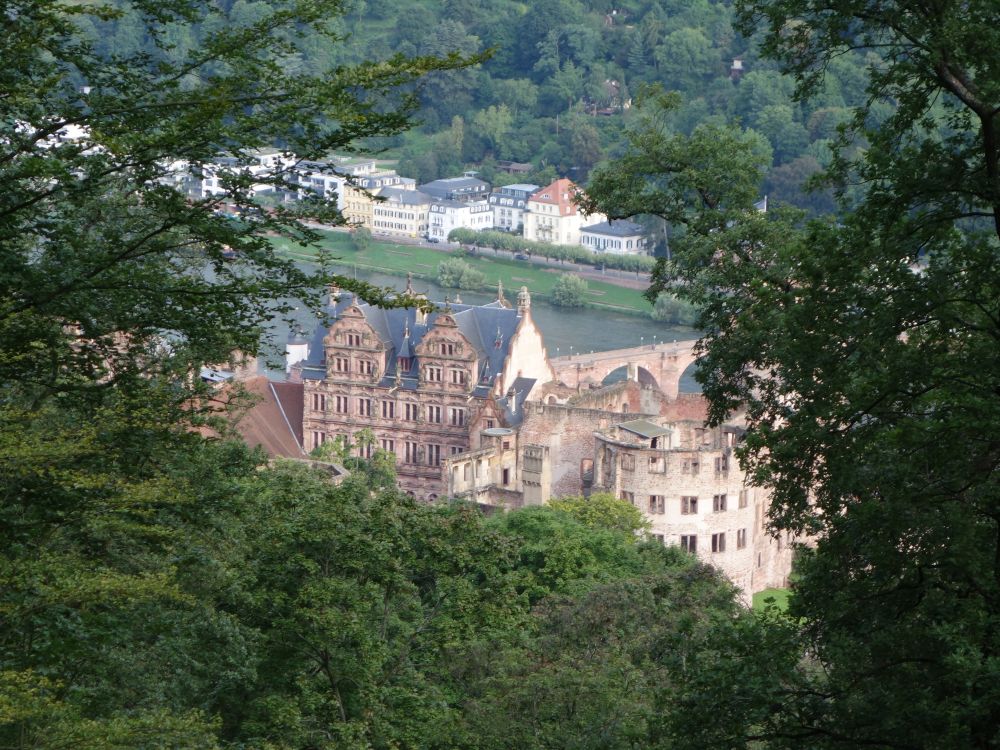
447 203
618 228
489 328
404 196
513 402
450 186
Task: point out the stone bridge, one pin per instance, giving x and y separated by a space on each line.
656 364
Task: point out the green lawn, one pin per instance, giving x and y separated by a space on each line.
422 262
780 597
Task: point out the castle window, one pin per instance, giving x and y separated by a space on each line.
447 349
433 374
628 497
718 542
743 498
341 404
458 377
718 503
657 504
341 364
689 543
389 446
722 464
388 409
689 506
411 412
690 466
354 339
741 538
434 414
403 364
367 367
455 450
628 462
657 464
319 402
365 407
658 538
457 417
433 455
409 452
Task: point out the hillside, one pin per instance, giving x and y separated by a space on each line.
557 87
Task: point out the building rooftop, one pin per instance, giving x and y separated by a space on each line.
489 329
404 196
559 193
619 228
644 428
523 187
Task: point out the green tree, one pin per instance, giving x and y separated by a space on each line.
359 600
455 273
569 291
494 123
602 510
116 521
361 238
863 353
669 309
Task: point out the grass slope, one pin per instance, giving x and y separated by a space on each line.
423 262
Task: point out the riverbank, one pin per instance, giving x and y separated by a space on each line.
398 259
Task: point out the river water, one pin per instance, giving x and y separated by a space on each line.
565 331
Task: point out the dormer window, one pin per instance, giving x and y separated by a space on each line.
354 339
447 349
403 364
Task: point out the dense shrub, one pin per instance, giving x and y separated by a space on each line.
569 291
455 273
669 309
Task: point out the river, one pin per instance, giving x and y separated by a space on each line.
565 331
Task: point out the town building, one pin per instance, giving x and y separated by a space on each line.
446 215
207 180
509 204
399 212
617 237
552 215
330 178
465 188
426 384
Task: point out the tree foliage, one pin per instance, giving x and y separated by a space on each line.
863 353
455 273
569 290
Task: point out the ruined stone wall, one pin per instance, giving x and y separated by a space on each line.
662 483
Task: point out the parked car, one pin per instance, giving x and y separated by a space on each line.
435 240
521 256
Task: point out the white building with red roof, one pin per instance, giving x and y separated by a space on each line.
552 215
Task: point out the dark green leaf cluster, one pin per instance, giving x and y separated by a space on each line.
863 353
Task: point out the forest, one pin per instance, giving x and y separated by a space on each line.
162 585
559 80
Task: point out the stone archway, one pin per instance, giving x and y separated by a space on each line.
664 363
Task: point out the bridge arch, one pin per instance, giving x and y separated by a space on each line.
664 363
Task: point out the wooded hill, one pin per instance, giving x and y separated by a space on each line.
556 87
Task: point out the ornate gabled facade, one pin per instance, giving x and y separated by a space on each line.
425 384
